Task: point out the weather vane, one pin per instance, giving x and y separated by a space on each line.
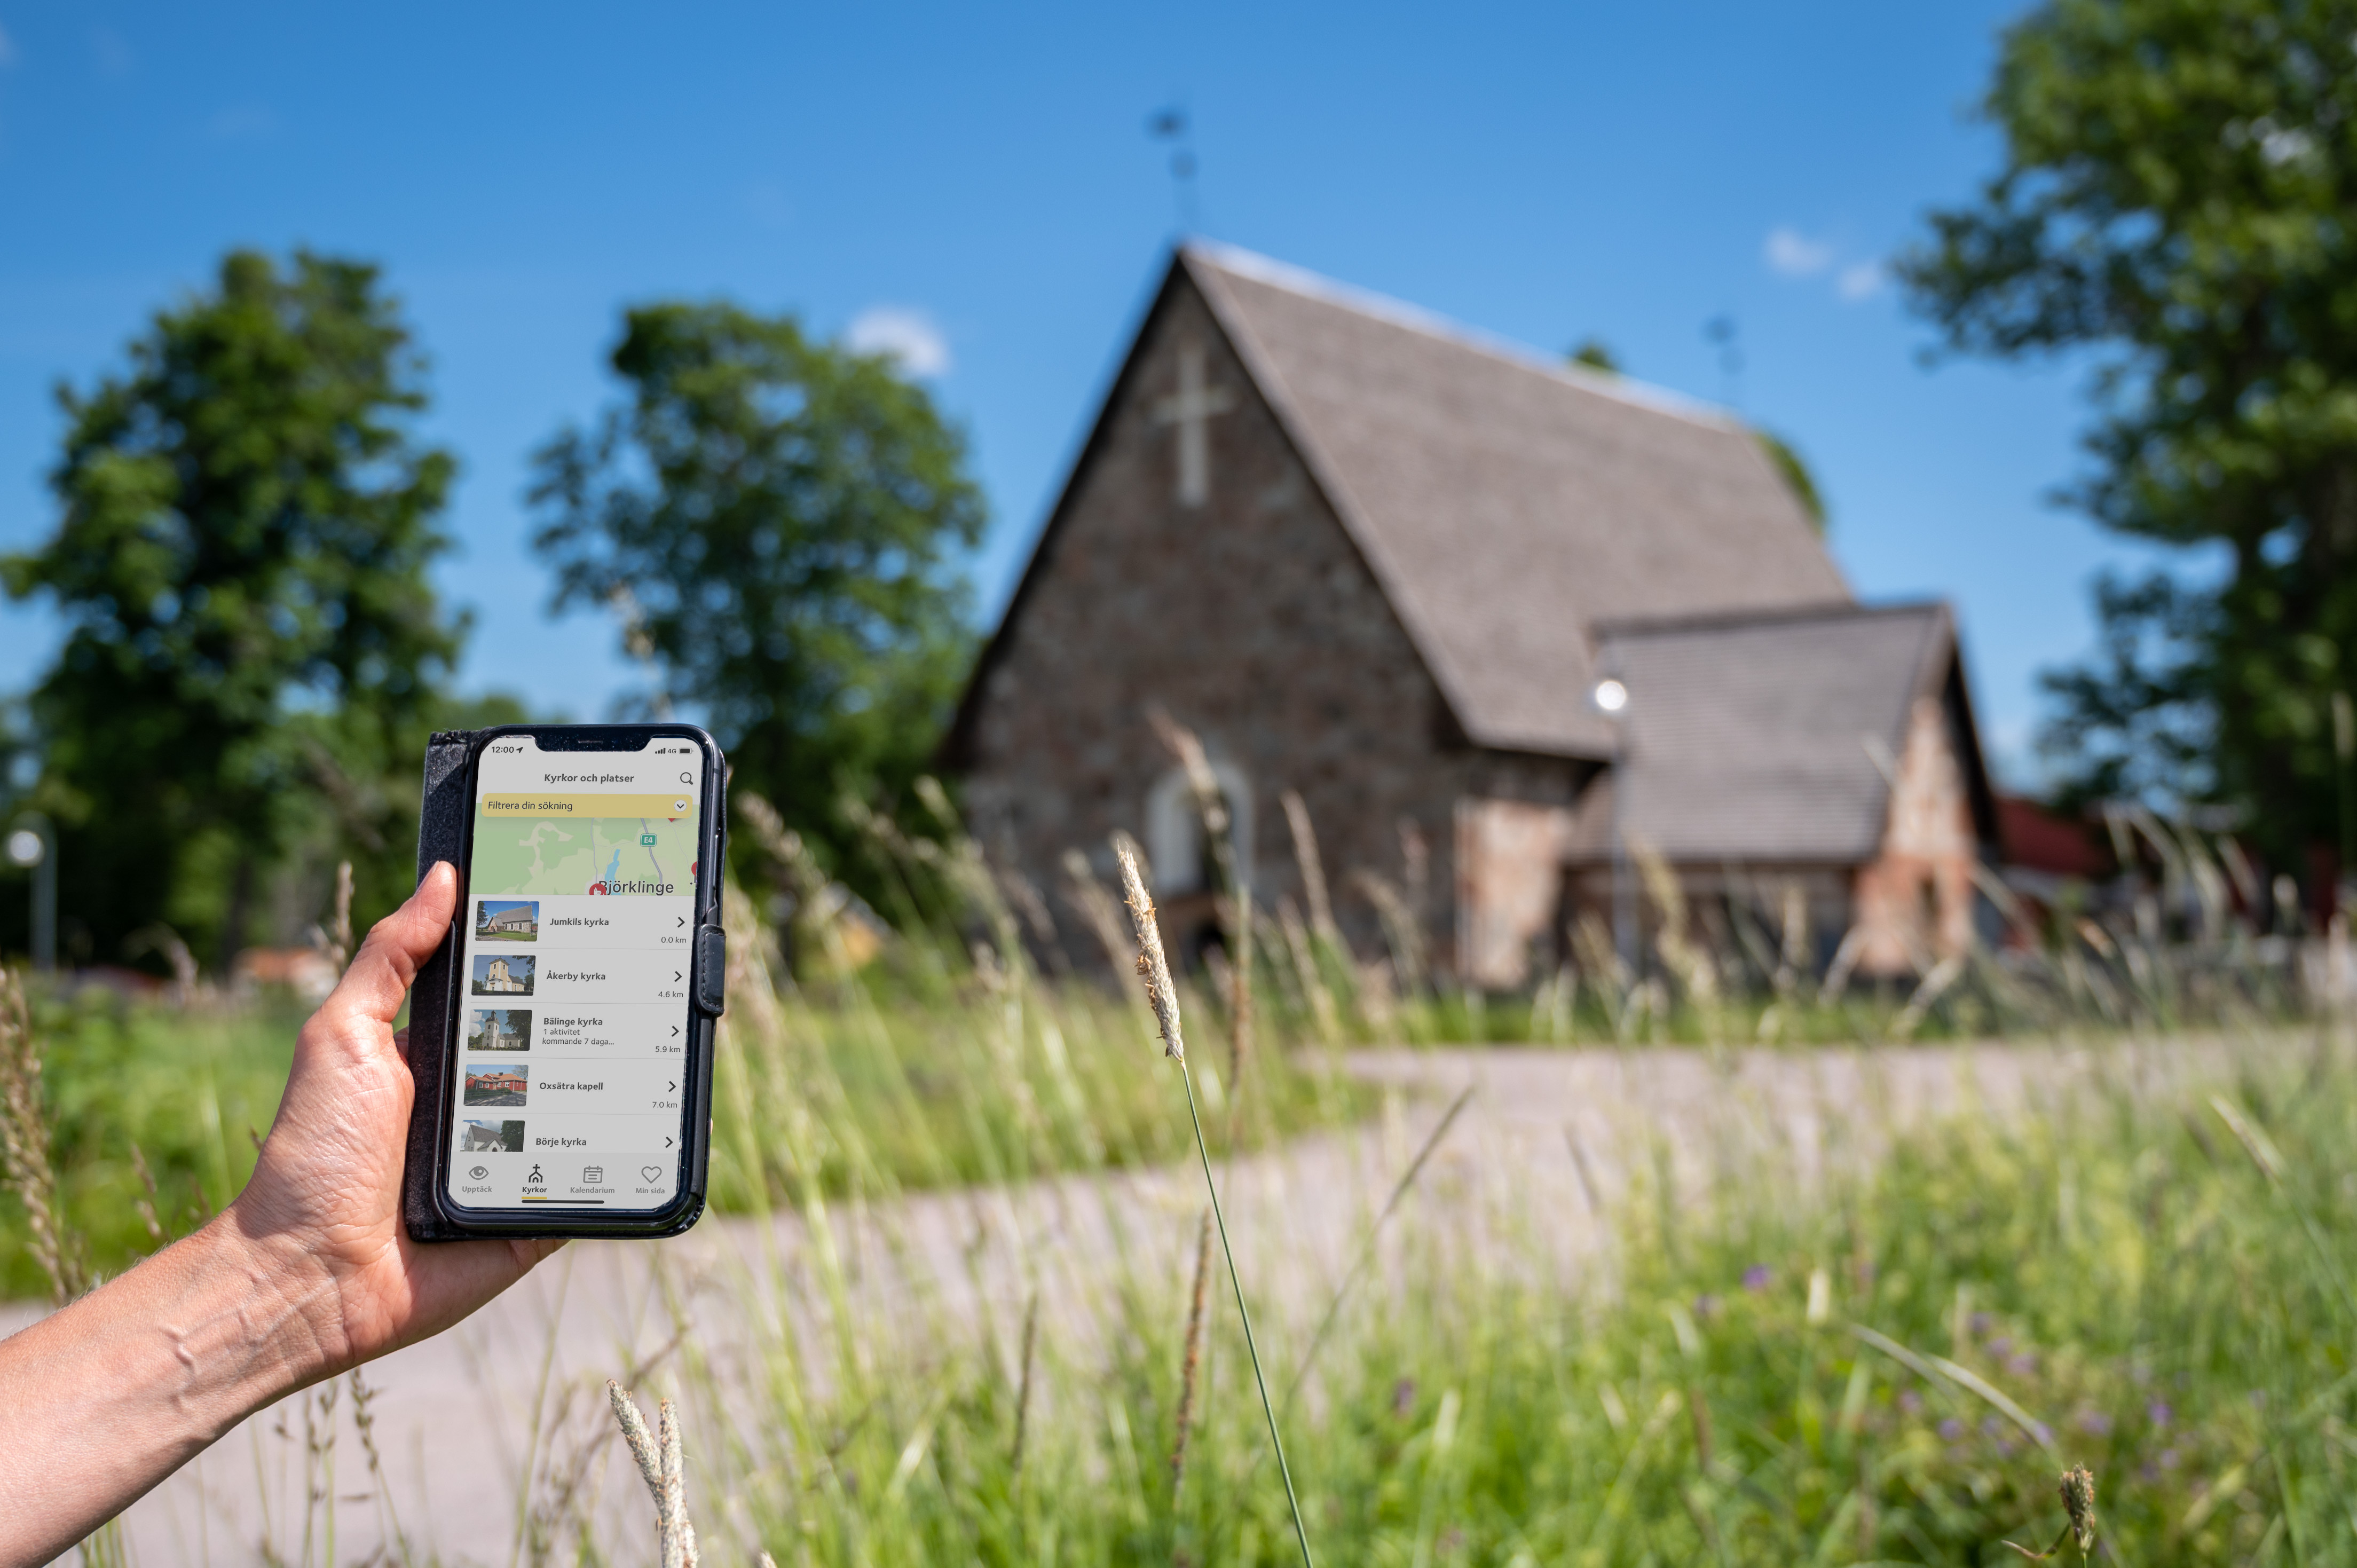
1172 124
1726 335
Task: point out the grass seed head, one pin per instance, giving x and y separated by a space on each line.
633 1422
1191 1358
2079 1501
25 1166
1152 966
2078 1489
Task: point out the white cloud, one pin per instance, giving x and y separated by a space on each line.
1859 279
1796 255
907 335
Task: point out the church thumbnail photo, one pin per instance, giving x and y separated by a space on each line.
502 975
475 1137
507 920
489 1084
498 1029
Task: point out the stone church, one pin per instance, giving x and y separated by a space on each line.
1388 562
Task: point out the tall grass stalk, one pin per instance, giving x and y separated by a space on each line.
1154 968
1365 1253
25 1146
1191 1358
661 1462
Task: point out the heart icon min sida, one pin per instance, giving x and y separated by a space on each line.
652 1173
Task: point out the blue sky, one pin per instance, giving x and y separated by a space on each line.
976 185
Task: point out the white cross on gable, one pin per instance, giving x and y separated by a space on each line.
1190 408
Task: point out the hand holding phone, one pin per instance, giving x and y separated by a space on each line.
576 1001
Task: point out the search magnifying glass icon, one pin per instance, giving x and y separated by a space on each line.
687 777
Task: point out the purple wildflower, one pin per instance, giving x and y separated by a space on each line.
1757 1276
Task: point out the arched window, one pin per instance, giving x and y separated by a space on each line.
1174 831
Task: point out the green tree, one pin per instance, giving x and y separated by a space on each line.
2176 204
1797 474
250 640
773 518
1595 354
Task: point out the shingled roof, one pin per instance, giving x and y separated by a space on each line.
1765 738
1508 502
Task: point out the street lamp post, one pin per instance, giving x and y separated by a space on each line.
1611 699
33 843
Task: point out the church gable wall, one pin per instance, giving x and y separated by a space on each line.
1914 901
1249 618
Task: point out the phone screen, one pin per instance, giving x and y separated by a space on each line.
575 1015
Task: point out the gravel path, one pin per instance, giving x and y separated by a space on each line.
1527 1175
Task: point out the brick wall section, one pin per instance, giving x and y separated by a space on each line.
1251 618
1509 887
1914 902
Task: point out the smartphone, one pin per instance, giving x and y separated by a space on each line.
585 979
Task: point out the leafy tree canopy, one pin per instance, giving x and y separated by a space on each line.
1597 355
2177 197
1797 474
773 516
246 523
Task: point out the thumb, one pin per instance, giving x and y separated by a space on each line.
396 946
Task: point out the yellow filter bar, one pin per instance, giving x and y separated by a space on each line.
555 805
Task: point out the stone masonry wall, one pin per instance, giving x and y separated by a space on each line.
1251 618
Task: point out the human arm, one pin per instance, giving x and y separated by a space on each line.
307 1273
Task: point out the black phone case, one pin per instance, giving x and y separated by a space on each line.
442 835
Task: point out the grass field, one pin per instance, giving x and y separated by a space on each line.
908 1082
184 1092
2154 1284
2151 1278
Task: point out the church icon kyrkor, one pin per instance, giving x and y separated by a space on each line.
1376 559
